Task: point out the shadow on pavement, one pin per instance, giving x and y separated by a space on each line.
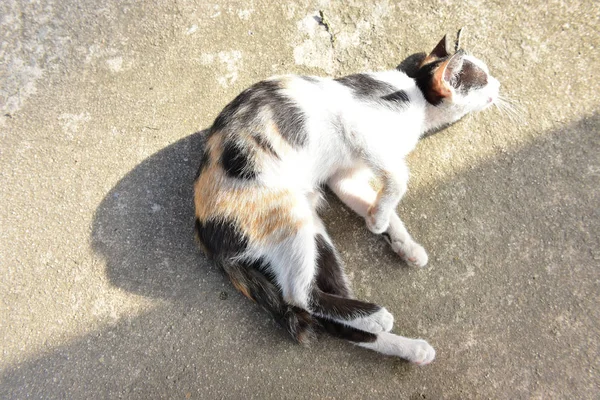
206 341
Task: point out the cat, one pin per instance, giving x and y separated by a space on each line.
267 157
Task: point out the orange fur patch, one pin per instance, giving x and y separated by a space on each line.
440 86
260 213
215 146
242 288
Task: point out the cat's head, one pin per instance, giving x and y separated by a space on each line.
458 83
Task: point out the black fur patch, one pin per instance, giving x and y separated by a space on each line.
253 280
237 162
387 237
346 332
365 86
424 79
410 65
330 305
399 97
299 323
471 77
244 109
204 160
220 237
310 79
264 144
330 275
288 117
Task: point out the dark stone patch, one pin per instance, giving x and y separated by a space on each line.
237 161
220 237
330 275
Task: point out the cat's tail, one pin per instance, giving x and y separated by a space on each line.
258 287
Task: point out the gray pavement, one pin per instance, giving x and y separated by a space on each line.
103 293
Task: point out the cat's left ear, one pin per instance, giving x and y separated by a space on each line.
445 76
439 51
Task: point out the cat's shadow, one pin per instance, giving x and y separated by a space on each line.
143 226
410 65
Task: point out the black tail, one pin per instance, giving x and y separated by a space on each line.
341 331
331 297
259 287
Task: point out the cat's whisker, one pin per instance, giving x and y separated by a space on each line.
511 109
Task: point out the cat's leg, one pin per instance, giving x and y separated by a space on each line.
332 293
417 351
292 262
295 263
394 185
358 314
353 188
331 277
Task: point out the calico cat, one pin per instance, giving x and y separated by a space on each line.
272 149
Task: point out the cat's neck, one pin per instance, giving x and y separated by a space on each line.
439 117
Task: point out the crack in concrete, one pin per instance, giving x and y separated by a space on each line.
324 21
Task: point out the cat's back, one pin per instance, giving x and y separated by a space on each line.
264 131
254 171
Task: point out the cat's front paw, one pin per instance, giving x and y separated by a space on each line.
412 252
377 222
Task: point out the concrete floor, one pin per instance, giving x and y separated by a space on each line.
104 294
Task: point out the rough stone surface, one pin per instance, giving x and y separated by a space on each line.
104 294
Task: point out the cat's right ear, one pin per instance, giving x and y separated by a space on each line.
439 51
444 76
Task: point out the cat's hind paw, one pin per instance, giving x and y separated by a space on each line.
416 351
380 321
421 352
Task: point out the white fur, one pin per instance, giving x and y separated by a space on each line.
414 350
350 141
353 188
380 321
372 140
